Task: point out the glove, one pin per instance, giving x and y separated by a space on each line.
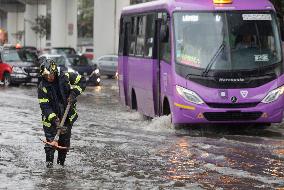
57 123
63 130
72 98
58 127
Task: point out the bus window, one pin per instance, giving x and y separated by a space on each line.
150 34
121 37
132 36
165 42
140 42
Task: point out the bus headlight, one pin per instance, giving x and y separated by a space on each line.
189 95
273 95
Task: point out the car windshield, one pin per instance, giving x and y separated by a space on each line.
89 50
28 56
78 61
60 61
11 56
227 40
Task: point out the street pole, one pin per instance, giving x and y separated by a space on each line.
24 32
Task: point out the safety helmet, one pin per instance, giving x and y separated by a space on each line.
48 66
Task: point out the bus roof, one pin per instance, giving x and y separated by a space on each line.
183 5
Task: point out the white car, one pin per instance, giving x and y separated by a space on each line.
107 65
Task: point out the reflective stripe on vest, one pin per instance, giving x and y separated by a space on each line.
78 88
51 116
44 90
73 116
78 78
43 100
46 124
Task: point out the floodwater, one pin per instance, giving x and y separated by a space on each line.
115 148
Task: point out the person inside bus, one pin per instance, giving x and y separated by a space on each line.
245 41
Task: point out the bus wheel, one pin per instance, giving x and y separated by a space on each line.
7 79
167 111
166 107
133 101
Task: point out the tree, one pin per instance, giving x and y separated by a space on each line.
41 26
85 18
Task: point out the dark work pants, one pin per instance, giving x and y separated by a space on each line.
64 140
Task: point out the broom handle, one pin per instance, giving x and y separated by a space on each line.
56 138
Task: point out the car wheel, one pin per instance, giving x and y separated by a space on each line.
7 79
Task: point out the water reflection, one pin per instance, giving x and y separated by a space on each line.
181 160
55 178
97 89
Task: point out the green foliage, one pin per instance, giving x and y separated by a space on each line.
85 18
41 26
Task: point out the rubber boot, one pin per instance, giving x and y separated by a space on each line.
61 157
49 153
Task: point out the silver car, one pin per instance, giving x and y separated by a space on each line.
107 65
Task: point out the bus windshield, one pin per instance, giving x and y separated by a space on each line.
227 41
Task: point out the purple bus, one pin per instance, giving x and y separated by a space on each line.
202 61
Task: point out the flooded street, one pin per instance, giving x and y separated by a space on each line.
114 148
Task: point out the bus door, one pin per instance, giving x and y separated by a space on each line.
161 38
123 60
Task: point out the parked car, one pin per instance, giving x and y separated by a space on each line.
44 51
5 73
107 65
88 52
28 54
23 72
81 64
62 62
68 51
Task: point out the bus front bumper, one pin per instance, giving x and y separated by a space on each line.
186 113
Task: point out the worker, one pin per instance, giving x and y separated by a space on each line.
55 91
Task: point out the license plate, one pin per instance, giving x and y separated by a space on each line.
34 80
19 76
33 74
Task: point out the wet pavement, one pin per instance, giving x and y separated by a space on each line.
114 148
